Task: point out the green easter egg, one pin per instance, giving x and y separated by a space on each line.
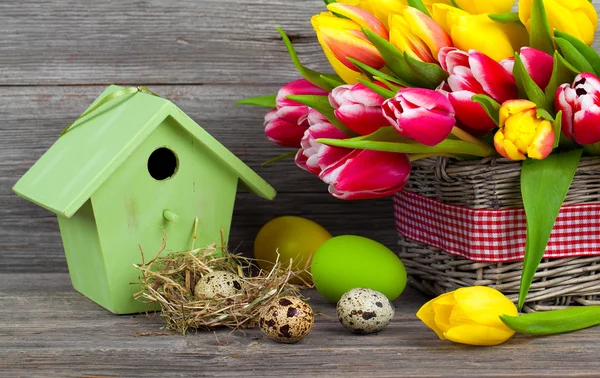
347 262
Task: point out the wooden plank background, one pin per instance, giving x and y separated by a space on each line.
57 56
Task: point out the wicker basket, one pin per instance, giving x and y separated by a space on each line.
495 184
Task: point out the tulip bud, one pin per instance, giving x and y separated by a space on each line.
479 32
469 315
286 124
319 127
420 114
342 38
415 33
521 133
580 105
538 65
576 17
358 107
283 132
364 174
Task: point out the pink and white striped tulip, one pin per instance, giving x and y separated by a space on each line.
308 155
475 73
286 124
358 107
580 105
538 65
365 174
424 115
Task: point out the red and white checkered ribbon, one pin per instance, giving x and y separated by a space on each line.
485 235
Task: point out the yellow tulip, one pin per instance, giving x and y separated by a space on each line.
383 8
521 133
488 6
576 17
494 39
469 315
415 33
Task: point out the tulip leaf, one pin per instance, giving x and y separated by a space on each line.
392 87
539 28
563 72
505 18
590 55
333 82
385 93
544 186
267 101
557 128
387 139
419 5
393 57
309 74
322 105
528 88
373 72
285 156
431 75
555 321
491 106
573 56
542 113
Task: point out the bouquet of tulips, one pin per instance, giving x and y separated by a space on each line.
460 78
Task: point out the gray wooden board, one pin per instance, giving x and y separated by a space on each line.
48 329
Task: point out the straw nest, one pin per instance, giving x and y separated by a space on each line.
170 281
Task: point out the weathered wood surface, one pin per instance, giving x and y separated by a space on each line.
55 57
48 329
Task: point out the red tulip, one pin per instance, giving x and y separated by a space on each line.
364 174
580 105
308 155
286 124
358 107
475 73
420 114
538 65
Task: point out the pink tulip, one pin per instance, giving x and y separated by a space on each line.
364 174
475 73
308 155
282 132
286 124
538 65
420 114
580 105
358 107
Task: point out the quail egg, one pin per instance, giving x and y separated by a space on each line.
286 319
218 284
364 310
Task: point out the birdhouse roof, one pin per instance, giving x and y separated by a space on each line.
82 159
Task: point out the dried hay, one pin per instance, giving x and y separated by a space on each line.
170 281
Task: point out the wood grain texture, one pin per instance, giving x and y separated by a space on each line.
34 116
152 41
47 329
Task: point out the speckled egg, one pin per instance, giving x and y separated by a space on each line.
364 310
286 319
218 284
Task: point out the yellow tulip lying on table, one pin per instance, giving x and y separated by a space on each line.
483 316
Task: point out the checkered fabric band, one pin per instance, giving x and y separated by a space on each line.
484 235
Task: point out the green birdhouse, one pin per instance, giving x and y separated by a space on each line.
132 170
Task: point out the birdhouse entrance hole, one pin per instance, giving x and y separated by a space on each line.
162 164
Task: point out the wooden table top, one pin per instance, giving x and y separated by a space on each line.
48 329
56 56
